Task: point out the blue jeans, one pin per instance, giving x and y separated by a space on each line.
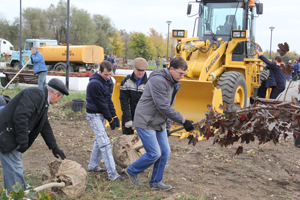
42 79
158 152
102 147
12 169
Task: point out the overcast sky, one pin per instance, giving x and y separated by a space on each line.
141 15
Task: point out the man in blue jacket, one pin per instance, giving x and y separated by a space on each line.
276 79
21 121
39 65
99 108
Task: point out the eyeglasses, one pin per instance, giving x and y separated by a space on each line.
180 74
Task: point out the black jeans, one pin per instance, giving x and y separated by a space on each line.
262 90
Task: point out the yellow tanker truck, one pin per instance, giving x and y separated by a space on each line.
55 55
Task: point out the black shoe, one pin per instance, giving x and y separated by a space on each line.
122 171
97 169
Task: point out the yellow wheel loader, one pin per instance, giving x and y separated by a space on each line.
221 62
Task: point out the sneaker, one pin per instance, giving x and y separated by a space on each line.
161 186
97 169
118 177
133 179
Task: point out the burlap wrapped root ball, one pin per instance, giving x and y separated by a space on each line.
127 149
70 172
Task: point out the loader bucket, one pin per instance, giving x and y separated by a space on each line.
191 100
194 96
116 94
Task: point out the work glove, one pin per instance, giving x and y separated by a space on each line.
57 152
129 124
113 124
22 147
188 126
168 133
116 119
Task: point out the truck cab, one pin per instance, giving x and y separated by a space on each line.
26 53
6 47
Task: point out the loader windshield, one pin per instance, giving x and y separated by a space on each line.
221 18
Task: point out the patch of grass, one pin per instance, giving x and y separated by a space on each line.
243 165
68 111
12 91
153 67
72 95
190 197
33 178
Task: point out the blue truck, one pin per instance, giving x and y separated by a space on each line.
26 53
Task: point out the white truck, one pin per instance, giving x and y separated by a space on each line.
6 47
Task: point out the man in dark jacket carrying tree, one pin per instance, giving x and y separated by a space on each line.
152 120
276 79
131 90
21 121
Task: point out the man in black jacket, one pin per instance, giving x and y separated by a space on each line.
131 90
21 121
276 79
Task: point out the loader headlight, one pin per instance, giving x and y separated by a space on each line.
179 33
238 34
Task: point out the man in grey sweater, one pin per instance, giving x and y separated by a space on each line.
152 119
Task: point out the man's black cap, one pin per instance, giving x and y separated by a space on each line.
58 85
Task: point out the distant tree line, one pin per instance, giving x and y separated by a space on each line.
85 29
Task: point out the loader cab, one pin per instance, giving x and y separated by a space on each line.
217 18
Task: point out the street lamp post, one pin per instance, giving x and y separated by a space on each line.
271 28
168 22
21 60
68 44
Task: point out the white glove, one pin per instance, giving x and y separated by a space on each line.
129 124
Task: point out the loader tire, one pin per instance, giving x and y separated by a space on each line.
234 89
263 75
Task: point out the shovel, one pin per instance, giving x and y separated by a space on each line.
46 186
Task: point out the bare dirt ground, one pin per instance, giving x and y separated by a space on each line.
205 171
